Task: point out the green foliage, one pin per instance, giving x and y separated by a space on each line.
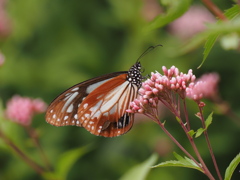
174 9
201 130
230 14
139 172
65 163
231 168
213 31
182 162
207 123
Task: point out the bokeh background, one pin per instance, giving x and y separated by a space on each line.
49 46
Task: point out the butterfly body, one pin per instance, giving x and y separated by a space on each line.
99 104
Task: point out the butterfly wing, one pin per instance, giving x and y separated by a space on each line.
98 104
103 112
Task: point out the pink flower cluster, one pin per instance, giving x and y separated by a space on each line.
162 88
204 87
171 86
192 22
21 109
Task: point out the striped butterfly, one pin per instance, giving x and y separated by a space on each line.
99 104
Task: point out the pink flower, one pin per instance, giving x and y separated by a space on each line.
192 22
163 88
205 87
2 59
21 109
151 9
5 25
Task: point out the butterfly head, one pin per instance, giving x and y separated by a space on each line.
135 74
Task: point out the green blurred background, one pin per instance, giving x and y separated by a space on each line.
56 44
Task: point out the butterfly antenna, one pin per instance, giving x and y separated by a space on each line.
147 51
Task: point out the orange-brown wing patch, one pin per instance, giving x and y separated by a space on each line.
103 111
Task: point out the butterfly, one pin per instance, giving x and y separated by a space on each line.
99 104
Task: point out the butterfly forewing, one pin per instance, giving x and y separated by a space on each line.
63 110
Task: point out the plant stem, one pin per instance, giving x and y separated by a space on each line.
177 143
30 162
209 144
191 140
186 115
33 136
214 9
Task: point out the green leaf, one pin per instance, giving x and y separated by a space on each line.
231 168
208 47
182 162
199 132
191 133
67 159
207 124
174 9
66 162
230 14
208 120
139 172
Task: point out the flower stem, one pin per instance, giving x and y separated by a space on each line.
186 115
209 144
33 136
191 140
177 143
214 9
30 162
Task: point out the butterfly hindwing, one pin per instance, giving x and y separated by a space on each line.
103 112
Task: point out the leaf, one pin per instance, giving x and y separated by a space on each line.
139 172
208 120
207 124
210 35
191 133
66 161
199 132
174 9
208 47
230 14
231 168
182 162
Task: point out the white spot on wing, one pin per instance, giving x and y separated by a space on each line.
95 85
76 116
75 89
70 108
96 107
71 97
97 115
65 118
85 105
